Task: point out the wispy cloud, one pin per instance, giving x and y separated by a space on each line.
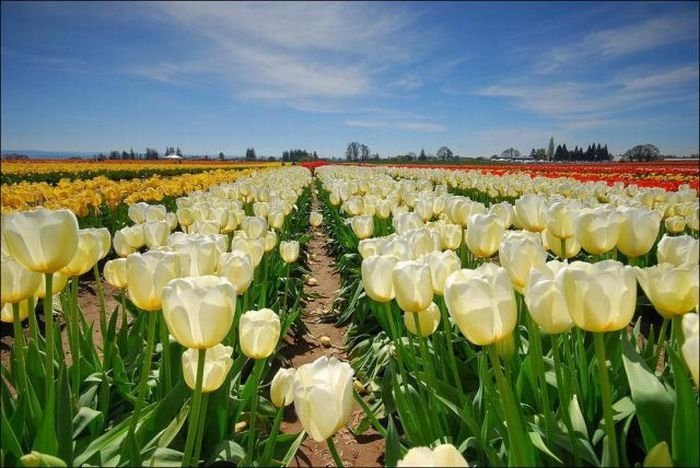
414 126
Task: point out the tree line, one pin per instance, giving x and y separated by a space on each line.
294 155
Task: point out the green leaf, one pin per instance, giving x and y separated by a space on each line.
38 459
393 445
10 442
686 420
227 451
577 420
85 418
165 457
658 456
64 417
293 449
537 441
652 400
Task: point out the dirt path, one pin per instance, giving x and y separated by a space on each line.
366 450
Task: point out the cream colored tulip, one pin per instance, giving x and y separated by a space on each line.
412 285
198 256
254 226
382 209
399 247
503 210
422 241
691 348
261 209
41 240
259 332
104 240
451 236
672 290
205 226
638 230
554 244
406 221
115 273
253 247
155 213
282 387
518 253
270 240
237 267
199 311
423 207
675 224
289 251
315 219
545 299
134 236
7 315
377 277
598 229
58 283
323 396
217 363
559 218
429 320
442 265
17 283
368 247
362 226
484 233
121 245
275 219
171 219
137 212
155 233
482 303
678 250
530 211
601 297
443 455
86 256
184 217
148 274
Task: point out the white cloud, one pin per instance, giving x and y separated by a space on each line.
663 79
421 126
364 123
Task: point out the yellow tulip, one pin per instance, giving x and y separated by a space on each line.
289 251
115 273
282 388
323 397
691 348
412 285
217 363
484 233
482 303
530 212
199 311
315 218
259 332
42 240
148 274
59 282
237 267
673 290
598 229
442 265
7 314
443 455
155 233
86 256
545 299
601 296
362 226
377 277
518 253
638 230
678 250
429 320
18 283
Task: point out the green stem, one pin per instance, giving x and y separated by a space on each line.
50 346
253 409
75 337
537 356
428 370
283 310
194 410
514 426
599 341
21 370
370 414
166 367
334 452
448 339
200 429
103 313
564 399
143 382
33 324
677 338
124 313
659 342
272 440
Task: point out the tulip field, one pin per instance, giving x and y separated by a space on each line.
492 315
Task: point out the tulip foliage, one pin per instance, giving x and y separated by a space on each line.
509 320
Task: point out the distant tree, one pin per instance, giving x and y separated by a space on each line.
411 156
271 158
221 155
558 156
250 154
541 154
444 153
151 153
646 152
533 153
550 149
125 155
315 156
422 156
352 153
132 155
364 152
178 152
114 154
510 153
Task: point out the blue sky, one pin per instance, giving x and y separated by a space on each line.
477 77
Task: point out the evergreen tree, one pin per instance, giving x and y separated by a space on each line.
178 152
422 156
550 149
250 154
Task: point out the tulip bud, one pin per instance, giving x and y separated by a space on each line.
254 226
171 219
104 240
41 240
86 256
554 244
148 274
59 282
673 290
518 253
289 251
442 265
377 277
155 213
323 397
545 299
503 210
559 219
530 211
134 236
155 233
217 363
137 212
38 459
482 303
451 236
115 273
362 226
18 283
121 246
275 219
484 234
412 285
315 219
638 231
199 311
678 250
423 207
443 455
601 296
7 315
690 348
259 332
368 247
598 229
382 209
429 320
282 388
237 267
